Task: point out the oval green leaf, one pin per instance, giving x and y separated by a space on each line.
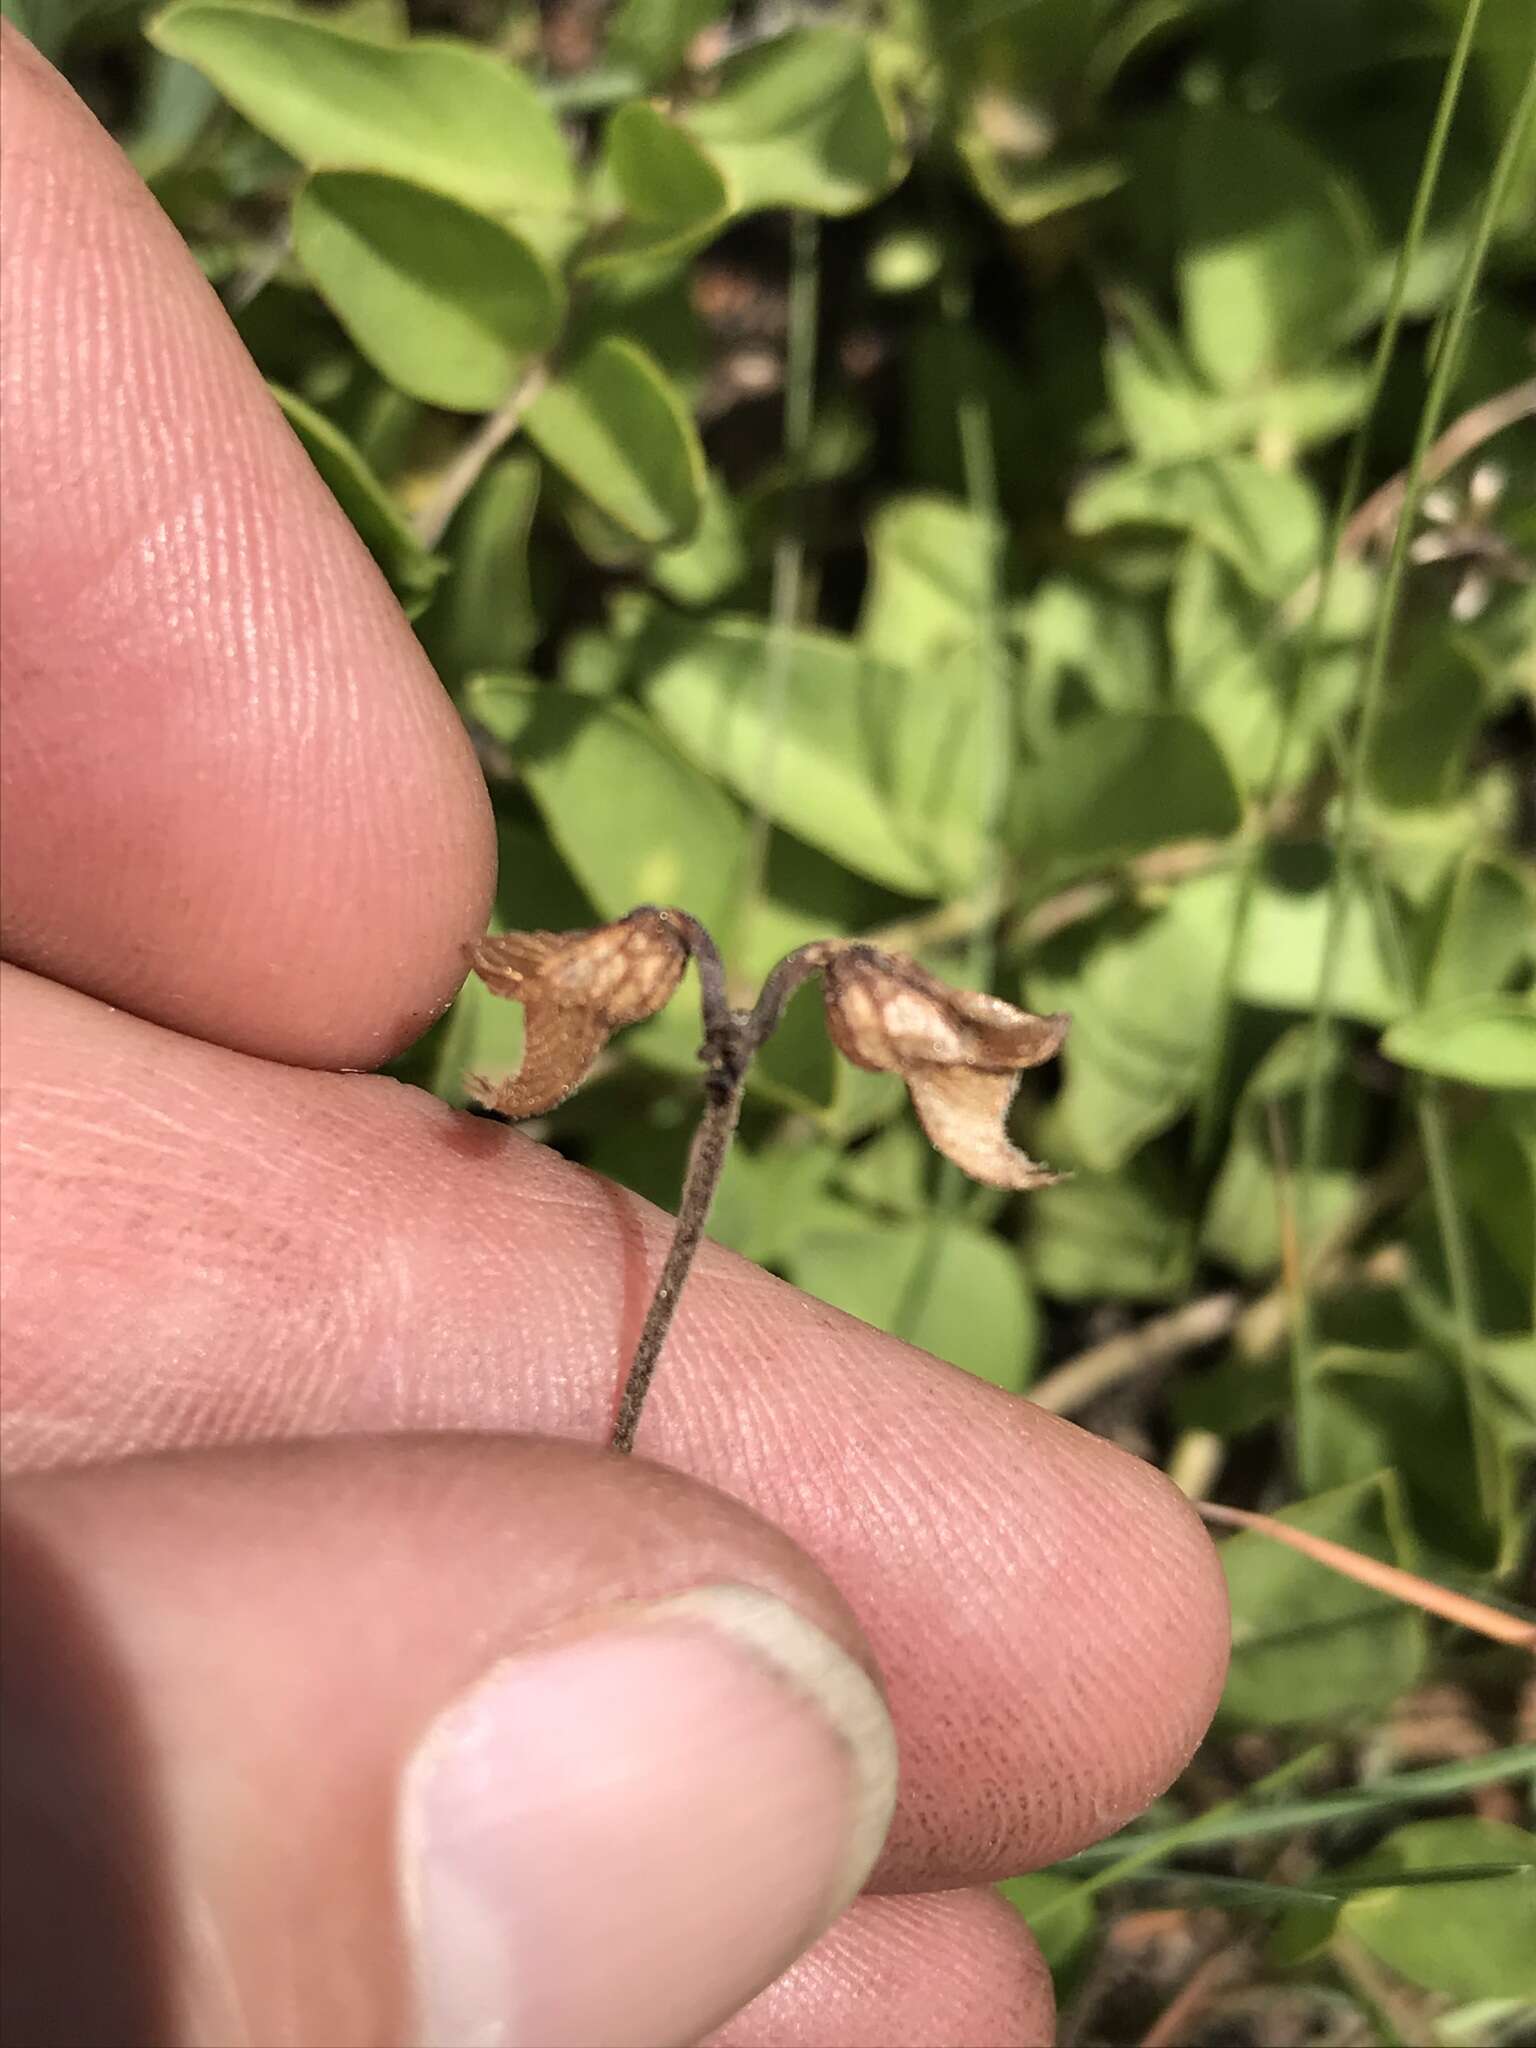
615 426
439 113
1277 248
1489 1042
1121 785
826 721
801 121
633 820
671 197
446 304
951 1289
1469 1936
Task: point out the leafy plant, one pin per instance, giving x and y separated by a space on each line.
1044 491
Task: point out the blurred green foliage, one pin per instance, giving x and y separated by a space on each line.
951 568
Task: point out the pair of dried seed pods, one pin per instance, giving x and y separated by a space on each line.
960 1053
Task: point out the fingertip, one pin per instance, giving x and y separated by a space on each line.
944 1970
237 800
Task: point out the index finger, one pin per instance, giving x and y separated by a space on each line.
236 798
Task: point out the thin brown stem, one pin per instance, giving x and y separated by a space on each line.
706 1162
731 1039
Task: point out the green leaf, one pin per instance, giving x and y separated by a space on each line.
934 565
826 735
633 820
945 1286
1487 931
1487 1041
672 198
1143 1005
1057 1911
440 114
485 616
1236 674
447 304
1308 1644
1493 1171
1244 1220
49 25
702 570
1266 523
904 260
1121 1235
1430 714
1406 1408
768 1199
1276 248
1089 648
1116 786
481 1034
1282 960
614 425
385 532
1475 1938
800 121
892 1171
1170 415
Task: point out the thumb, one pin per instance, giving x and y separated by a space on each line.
458 1741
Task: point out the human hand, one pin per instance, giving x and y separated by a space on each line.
304 1369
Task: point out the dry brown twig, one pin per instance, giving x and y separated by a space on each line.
1409 1587
959 1052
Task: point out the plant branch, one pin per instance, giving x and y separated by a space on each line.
1156 1342
1313 614
1478 424
455 483
732 1038
1314 1102
1409 1587
706 1161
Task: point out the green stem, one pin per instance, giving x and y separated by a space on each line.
788 580
1314 1097
1209 1122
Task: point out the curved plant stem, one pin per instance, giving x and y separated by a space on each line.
731 1039
706 1161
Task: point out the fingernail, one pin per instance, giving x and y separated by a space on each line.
616 1839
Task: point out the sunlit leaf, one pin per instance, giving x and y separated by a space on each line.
448 305
800 121
618 430
438 113
949 1288
1488 1041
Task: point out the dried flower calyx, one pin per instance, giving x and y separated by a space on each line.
578 988
960 1053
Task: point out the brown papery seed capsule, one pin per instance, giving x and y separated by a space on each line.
577 988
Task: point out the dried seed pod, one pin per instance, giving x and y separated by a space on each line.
959 1052
578 988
